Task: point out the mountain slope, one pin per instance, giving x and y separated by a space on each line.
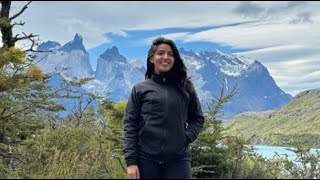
257 90
296 123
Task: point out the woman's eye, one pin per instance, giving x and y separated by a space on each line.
161 53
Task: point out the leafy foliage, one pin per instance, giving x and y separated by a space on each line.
114 114
306 165
22 93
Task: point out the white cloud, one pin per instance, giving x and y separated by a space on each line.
172 36
290 51
60 21
285 35
282 53
94 34
261 35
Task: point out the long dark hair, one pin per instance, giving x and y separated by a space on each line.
178 73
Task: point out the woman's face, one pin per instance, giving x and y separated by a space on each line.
163 59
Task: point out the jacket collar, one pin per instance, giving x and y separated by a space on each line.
160 78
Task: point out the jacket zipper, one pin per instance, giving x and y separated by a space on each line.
166 102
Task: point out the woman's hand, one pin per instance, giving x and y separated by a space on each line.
133 172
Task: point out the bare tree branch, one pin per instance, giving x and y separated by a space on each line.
16 38
21 11
20 23
30 37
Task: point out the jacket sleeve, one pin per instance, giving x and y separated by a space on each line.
195 119
131 127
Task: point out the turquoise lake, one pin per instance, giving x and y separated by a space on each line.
270 151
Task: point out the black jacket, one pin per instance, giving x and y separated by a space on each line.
159 122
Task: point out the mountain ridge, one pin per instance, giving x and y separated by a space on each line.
115 76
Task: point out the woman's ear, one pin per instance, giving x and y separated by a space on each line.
151 60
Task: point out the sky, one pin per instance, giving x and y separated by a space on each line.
282 35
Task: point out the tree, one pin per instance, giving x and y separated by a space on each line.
6 25
23 92
218 156
113 113
83 112
207 155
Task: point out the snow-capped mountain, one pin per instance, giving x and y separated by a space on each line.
115 76
72 58
257 91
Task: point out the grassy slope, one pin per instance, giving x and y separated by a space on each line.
296 123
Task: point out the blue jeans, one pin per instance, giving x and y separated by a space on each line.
150 169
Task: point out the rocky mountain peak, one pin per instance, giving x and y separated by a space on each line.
112 54
75 44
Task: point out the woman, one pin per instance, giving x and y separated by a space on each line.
162 118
